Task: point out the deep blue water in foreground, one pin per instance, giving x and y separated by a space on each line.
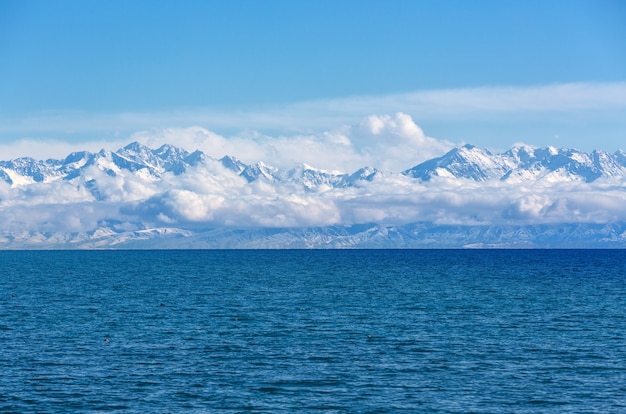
296 331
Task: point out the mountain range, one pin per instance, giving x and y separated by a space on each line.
522 163
171 198
151 165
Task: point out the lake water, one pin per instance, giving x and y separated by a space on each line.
295 331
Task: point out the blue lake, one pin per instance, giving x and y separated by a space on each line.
450 331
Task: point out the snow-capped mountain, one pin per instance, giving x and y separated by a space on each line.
151 164
138 197
518 164
521 163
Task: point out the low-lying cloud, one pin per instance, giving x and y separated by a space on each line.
229 201
208 195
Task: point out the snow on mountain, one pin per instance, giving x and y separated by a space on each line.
465 162
138 197
521 164
315 179
27 170
229 162
362 175
260 171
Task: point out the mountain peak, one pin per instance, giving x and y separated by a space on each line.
135 147
135 191
233 164
520 163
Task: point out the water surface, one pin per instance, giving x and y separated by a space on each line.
285 331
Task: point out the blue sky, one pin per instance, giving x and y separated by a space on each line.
491 73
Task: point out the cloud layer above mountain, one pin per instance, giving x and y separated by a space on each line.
387 142
494 117
359 174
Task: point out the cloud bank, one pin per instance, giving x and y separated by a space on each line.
557 107
199 200
382 141
107 197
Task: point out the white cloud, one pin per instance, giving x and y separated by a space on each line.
552 104
390 200
387 142
211 196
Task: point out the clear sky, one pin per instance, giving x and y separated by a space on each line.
491 73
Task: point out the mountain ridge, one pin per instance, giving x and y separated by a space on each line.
520 163
168 197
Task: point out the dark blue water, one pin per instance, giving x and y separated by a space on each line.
297 331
